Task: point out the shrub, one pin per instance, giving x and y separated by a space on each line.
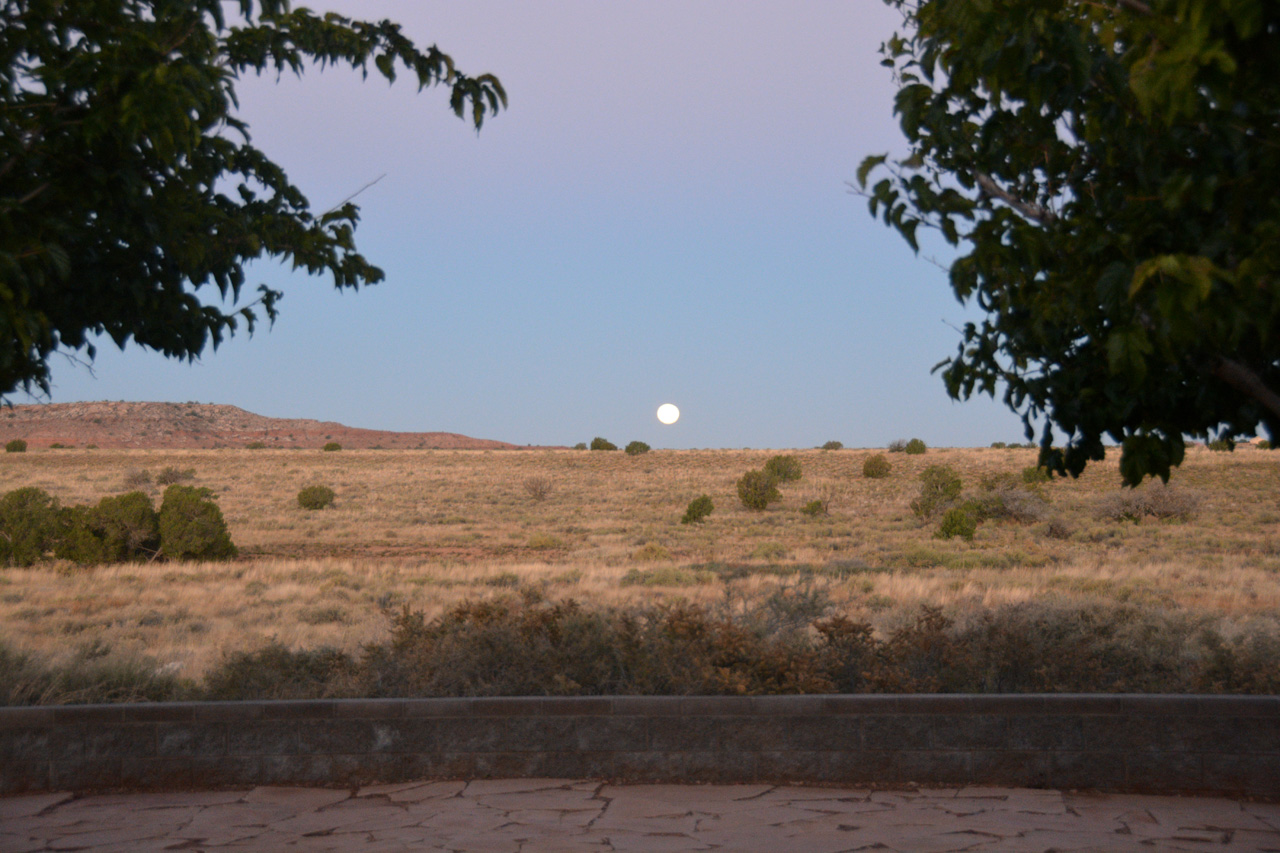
1221 445
136 478
545 542
635 448
815 508
331 446
898 445
758 489
650 551
939 488
256 445
784 469
1154 500
171 475
876 467
275 672
915 447
699 508
1263 445
1034 474
599 443
957 522
833 445
57 445
29 526
17 445
998 445
128 527
538 488
192 527
316 497
77 540
581 445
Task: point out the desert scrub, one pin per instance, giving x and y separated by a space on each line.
599 443
87 678
651 552
667 576
915 447
172 474
315 497
957 521
758 489
636 448
939 488
537 488
1153 500
16 445
832 445
783 469
698 510
192 527
815 508
137 478
876 467
331 446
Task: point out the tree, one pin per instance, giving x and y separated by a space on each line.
129 187
1110 177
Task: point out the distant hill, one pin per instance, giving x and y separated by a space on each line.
189 425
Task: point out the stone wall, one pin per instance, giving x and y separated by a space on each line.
1158 744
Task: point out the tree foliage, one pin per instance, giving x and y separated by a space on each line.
1109 175
129 188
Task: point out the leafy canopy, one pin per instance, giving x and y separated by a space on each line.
1109 174
129 187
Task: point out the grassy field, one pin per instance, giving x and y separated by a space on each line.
429 529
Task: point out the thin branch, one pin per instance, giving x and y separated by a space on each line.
1032 211
354 194
1243 379
1135 6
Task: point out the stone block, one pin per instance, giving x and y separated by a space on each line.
262 737
1164 772
897 732
1094 769
1009 768
969 731
1047 731
188 739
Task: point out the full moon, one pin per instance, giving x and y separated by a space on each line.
668 413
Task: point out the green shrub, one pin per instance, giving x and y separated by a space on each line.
815 508
78 540
128 527
758 489
699 508
17 445
1221 445
998 445
315 497
581 445
833 445
915 447
1263 445
635 448
171 475
331 446
256 445
57 445
1034 474
876 467
939 488
957 522
599 443
784 469
192 527
29 526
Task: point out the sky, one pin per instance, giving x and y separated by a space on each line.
662 215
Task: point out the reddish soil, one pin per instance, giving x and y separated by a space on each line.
183 425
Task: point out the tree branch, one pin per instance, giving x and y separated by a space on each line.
1032 211
1243 379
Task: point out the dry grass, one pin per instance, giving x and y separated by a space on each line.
431 528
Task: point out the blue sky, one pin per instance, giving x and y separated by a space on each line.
660 216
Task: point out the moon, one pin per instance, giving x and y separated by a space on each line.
668 413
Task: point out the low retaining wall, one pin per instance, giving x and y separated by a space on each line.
1159 744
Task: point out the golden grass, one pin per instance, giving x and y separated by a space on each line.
430 528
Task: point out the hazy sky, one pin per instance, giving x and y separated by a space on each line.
660 216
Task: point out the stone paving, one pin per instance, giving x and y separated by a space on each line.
568 816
